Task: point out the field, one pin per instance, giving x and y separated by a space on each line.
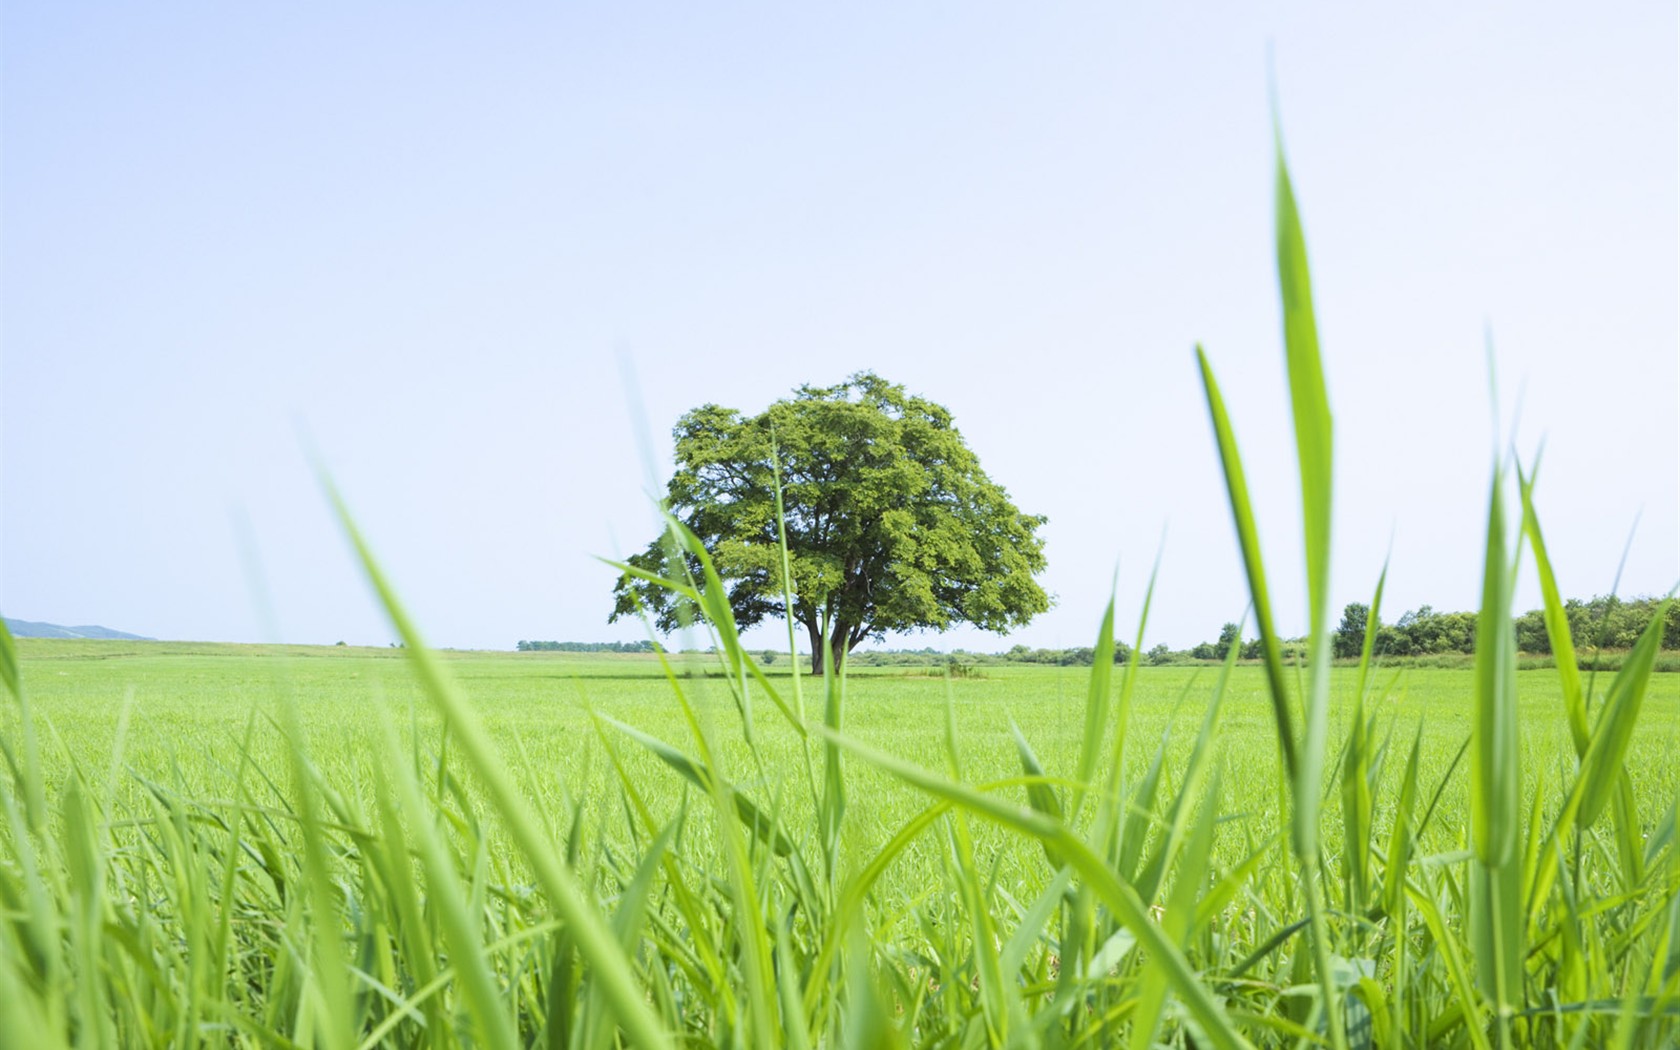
187 701
186 745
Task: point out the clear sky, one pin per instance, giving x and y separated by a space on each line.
427 234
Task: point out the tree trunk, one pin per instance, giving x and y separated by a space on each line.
832 655
838 648
816 647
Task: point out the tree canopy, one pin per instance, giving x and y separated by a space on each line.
891 524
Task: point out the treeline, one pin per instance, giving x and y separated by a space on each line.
588 647
1604 622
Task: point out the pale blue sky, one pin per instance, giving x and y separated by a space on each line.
427 232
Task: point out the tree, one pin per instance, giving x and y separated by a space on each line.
891 524
1349 640
1531 633
1229 635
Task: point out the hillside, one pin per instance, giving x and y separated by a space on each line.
30 629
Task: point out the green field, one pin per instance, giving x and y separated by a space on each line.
190 701
183 748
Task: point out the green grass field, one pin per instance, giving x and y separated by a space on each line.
191 736
188 699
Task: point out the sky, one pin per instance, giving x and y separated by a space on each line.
448 249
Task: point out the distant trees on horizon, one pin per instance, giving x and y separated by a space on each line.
1602 622
643 646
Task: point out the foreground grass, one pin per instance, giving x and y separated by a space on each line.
199 834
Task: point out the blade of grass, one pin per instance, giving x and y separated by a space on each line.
1119 896
33 787
594 940
1314 450
1496 807
787 583
1248 538
1556 618
448 900
1096 704
763 827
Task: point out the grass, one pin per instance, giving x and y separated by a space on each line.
284 847
186 696
186 706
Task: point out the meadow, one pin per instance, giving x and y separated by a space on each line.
295 847
192 753
185 705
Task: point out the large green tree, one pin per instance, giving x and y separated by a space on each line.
891 524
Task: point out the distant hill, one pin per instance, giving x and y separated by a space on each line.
28 629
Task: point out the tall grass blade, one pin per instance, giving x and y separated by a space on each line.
1248 539
1040 795
9 676
1556 618
1357 773
329 971
762 825
831 813
1119 896
595 941
1107 819
32 786
1097 702
1603 766
1314 451
788 596
1496 804
448 902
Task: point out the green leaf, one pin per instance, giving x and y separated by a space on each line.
8 662
595 941
1120 897
1602 766
1039 794
1557 621
763 827
1097 701
1248 538
1496 804
1314 450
